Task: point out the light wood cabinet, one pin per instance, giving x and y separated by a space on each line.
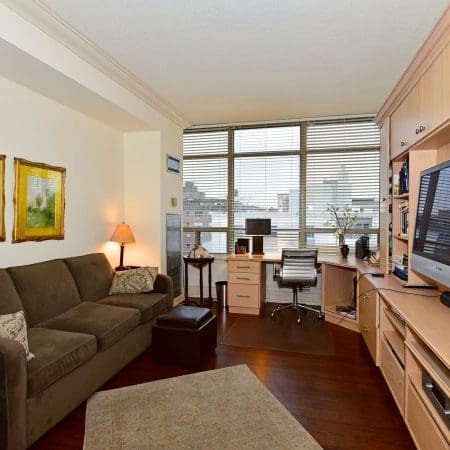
434 98
398 139
369 316
447 80
245 281
424 109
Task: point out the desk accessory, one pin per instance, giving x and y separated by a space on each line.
445 298
257 228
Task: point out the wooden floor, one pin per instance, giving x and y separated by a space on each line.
342 400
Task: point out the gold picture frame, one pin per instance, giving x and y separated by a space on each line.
38 201
2 198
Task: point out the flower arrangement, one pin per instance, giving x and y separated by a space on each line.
340 220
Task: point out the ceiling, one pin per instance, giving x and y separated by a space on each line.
259 60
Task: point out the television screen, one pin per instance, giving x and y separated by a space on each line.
431 247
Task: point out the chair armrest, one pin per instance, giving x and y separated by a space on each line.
13 395
164 285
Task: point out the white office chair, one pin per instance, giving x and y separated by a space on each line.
299 272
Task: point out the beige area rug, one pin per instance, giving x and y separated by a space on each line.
218 409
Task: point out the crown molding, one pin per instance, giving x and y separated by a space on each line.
38 14
428 52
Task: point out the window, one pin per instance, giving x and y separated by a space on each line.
342 169
205 190
288 173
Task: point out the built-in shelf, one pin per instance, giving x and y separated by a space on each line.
401 237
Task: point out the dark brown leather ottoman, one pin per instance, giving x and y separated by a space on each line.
186 335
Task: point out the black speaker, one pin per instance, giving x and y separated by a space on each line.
445 298
362 250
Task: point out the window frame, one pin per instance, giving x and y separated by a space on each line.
302 153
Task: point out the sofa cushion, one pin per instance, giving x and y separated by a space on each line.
134 281
107 323
93 275
13 326
9 298
57 354
150 305
46 289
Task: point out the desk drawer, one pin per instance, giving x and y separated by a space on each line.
243 295
425 432
244 278
244 266
393 373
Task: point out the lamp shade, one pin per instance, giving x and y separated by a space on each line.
258 227
123 234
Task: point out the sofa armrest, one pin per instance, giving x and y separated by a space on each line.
164 285
13 383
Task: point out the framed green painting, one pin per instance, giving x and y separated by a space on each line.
2 197
38 201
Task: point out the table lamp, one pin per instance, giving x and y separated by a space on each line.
257 228
123 235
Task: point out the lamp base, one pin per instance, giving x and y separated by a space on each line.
121 268
257 245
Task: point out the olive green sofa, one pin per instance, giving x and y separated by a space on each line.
80 336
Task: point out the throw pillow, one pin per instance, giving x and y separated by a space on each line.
13 326
134 281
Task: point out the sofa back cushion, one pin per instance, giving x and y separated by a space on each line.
9 298
93 275
46 289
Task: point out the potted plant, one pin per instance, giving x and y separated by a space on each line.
341 219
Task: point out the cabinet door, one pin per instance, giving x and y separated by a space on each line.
434 99
447 80
368 316
398 130
413 105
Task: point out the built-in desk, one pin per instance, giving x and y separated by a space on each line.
407 331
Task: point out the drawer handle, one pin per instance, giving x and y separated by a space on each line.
421 129
243 267
364 297
417 131
243 296
242 278
403 143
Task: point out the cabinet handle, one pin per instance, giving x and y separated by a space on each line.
242 278
243 296
421 129
417 131
364 297
243 267
403 143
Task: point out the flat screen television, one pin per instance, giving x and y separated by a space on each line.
431 245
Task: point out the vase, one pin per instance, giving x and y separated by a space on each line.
344 250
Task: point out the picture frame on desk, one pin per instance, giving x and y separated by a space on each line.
242 246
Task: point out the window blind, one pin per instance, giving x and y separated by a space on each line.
205 190
342 170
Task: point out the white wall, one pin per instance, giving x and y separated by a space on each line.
148 190
36 128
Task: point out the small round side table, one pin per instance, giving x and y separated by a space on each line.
199 263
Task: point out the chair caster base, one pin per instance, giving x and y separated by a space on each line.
298 320
272 316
